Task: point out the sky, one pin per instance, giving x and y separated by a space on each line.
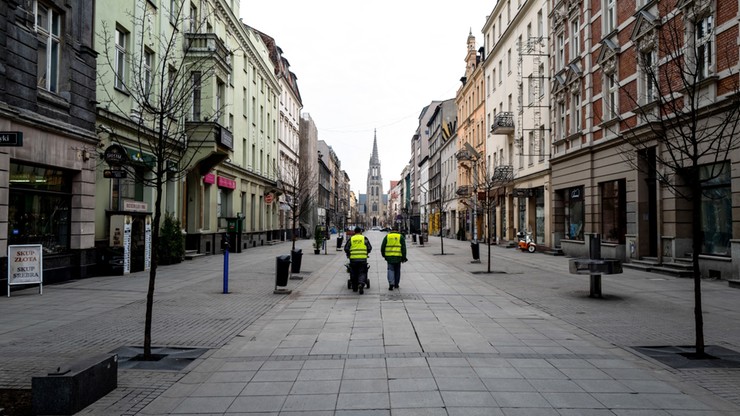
367 65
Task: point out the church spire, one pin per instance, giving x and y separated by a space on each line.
374 158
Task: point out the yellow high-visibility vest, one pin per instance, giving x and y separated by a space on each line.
393 245
357 247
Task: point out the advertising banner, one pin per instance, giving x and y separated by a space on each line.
25 265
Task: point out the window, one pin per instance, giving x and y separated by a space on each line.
575 112
703 44
173 11
542 143
147 75
542 80
39 206
560 58
500 71
244 102
171 84
531 148
610 16
716 208
540 25
561 121
575 39
48 30
648 74
193 19
508 60
196 80
610 97
574 213
220 104
120 59
613 211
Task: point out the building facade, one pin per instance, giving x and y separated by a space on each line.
309 154
618 72
517 111
47 96
440 126
471 141
288 161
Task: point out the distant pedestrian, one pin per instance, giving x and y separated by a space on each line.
357 249
393 250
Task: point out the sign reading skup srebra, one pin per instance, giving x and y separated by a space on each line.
25 265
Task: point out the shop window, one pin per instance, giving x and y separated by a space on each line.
574 213
613 211
39 205
716 209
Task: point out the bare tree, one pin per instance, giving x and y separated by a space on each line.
298 183
441 205
159 112
680 116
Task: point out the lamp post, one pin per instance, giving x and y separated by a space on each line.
471 155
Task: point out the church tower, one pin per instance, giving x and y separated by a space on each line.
375 207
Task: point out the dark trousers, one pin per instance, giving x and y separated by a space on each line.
358 272
394 274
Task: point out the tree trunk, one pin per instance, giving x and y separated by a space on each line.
696 249
153 269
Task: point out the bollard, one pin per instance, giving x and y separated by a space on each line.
594 253
225 243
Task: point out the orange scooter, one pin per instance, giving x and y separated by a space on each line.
526 243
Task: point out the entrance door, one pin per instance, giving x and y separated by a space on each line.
648 225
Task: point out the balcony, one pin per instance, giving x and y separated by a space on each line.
464 191
207 51
211 143
503 123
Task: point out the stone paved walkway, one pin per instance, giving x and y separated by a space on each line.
523 340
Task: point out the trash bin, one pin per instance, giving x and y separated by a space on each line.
281 270
475 247
413 237
296 256
340 240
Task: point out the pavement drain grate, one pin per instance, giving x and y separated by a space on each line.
491 272
679 357
172 359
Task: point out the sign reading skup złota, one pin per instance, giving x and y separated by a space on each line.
25 265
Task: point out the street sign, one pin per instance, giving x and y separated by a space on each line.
114 174
11 138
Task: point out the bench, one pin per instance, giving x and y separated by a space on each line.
70 388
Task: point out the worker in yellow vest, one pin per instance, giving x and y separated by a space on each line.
393 250
357 249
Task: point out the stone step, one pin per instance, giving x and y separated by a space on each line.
191 254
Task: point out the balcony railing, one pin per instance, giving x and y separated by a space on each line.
464 190
203 46
503 123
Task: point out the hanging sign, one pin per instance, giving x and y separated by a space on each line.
25 265
268 199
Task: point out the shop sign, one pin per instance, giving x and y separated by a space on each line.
25 265
114 174
226 183
136 206
11 138
209 178
115 155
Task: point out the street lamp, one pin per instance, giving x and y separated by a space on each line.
470 154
